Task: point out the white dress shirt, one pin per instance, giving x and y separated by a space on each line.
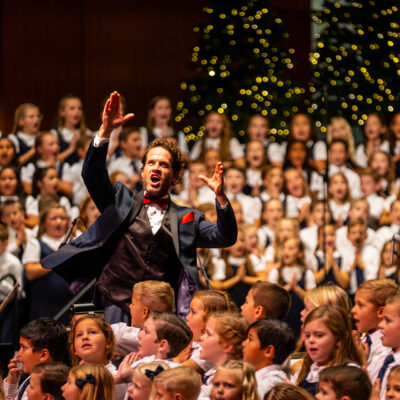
268 377
376 352
126 338
380 361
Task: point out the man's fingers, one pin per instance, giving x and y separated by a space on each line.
203 178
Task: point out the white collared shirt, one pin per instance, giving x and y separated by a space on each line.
287 273
32 250
126 338
377 351
195 356
294 205
251 206
380 360
235 148
342 241
268 377
309 237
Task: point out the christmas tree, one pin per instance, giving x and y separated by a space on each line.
240 69
356 66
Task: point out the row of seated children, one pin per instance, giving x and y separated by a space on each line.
238 356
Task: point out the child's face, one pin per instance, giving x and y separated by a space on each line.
7 152
27 356
238 249
395 126
49 148
56 223
258 129
251 238
285 231
294 183
325 391
291 252
337 154
69 390
359 210
211 159
320 342
273 212
136 309
92 212
255 154
366 314
90 343
357 235
297 154
238 210
301 128
387 255
72 112
339 129
211 350
195 170
8 182
394 212
140 388
252 351
30 122
390 326
34 390
380 163
148 342
373 128
162 112
318 214
338 188
368 185
327 238
274 180
132 145
393 387
226 386
195 318
234 181
50 182
214 125
13 216
248 308
308 307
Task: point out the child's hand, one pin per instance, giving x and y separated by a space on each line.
339 221
363 347
255 191
13 371
293 281
241 272
125 371
21 235
376 390
75 137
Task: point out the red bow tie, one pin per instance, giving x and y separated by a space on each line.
161 201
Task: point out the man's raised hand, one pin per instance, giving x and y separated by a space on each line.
112 117
216 184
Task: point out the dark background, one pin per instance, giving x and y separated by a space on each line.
90 47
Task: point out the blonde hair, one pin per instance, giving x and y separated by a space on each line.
103 386
183 380
380 289
20 113
339 323
245 374
286 391
351 148
306 190
231 329
150 366
394 299
331 295
105 328
155 295
277 244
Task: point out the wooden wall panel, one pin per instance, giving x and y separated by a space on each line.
142 49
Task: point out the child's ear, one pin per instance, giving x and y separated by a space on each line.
146 312
227 347
163 346
44 355
260 312
380 312
179 396
269 352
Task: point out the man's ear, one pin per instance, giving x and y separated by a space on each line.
44 355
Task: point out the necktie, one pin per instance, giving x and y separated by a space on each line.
388 360
23 388
135 168
368 341
160 201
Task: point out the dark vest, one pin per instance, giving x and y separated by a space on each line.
139 255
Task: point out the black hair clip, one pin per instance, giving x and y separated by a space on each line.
151 374
81 382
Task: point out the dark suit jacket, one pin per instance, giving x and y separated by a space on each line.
85 257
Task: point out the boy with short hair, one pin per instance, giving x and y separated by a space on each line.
390 328
269 343
367 313
13 215
343 382
46 381
42 340
266 300
147 296
359 259
235 180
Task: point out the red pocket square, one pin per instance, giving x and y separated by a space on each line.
187 217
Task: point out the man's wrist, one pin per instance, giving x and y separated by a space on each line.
222 200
